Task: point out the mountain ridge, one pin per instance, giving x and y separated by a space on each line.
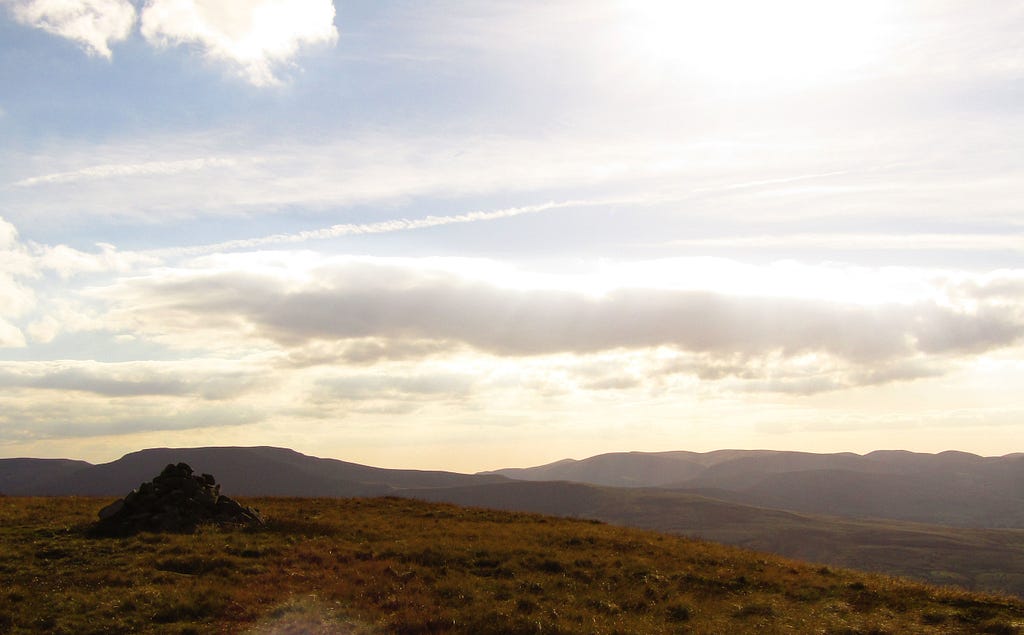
989 559
244 471
951 488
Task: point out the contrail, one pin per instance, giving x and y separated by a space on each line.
381 227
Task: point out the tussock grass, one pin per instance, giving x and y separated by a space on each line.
402 566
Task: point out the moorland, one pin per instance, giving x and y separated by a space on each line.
951 518
398 565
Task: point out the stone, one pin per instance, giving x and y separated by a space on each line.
112 509
177 500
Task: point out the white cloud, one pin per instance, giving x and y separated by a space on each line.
855 241
127 180
8 234
300 302
69 415
400 388
44 330
362 352
17 298
381 227
149 168
256 35
164 179
23 289
93 23
949 38
265 176
10 335
27 260
67 262
212 380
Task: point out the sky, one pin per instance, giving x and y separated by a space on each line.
467 235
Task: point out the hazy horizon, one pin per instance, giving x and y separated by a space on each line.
496 468
473 235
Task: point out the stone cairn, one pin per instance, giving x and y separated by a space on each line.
175 501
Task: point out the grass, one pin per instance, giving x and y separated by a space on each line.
403 566
986 560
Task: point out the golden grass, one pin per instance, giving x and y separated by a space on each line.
402 566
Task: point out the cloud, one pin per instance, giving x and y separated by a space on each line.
148 168
88 398
27 259
363 352
819 374
1002 286
162 178
619 382
94 24
67 261
130 379
401 388
382 227
10 335
988 328
17 261
258 36
71 418
17 298
666 370
949 39
857 241
353 299
24 291
269 174
44 330
8 235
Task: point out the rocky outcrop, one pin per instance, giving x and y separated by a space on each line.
176 501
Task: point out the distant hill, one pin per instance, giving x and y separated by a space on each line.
982 559
620 469
36 476
241 471
950 488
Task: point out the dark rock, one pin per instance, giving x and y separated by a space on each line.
175 501
112 509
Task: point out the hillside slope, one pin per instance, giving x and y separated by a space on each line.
951 488
360 566
244 471
36 476
981 559
975 558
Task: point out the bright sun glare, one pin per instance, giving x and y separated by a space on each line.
754 41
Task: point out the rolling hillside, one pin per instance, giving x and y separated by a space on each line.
950 488
244 471
981 559
33 476
390 565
